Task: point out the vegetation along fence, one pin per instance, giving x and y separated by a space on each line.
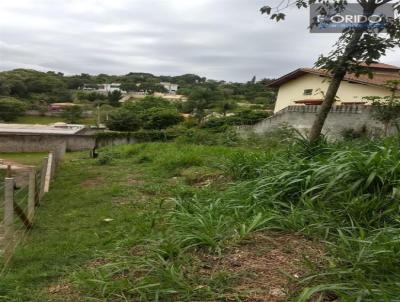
21 192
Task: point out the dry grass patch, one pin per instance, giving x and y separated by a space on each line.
268 265
93 182
202 176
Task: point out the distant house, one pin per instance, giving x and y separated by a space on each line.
103 88
307 86
172 88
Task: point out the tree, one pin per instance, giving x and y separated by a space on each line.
159 118
114 97
387 109
356 45
123 119
72 114
11 109
225 106
201 99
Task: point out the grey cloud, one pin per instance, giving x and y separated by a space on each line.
221 39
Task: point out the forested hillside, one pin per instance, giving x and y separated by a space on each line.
32 86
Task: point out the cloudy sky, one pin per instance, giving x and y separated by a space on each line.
219 39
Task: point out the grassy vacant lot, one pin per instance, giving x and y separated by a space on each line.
180 222
107 220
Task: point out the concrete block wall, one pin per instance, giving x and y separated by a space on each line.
47 142
302 118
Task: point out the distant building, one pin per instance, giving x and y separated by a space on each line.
172 88
103 88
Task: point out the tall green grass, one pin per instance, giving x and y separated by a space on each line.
343 194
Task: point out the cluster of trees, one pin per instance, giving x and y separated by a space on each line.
153 113
148 113
34 85
56 87
11 109
35 90
112 98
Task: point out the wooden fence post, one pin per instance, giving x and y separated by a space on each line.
53 163
48 172
43 177
31 193
8 218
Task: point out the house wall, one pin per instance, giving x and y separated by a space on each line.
348 92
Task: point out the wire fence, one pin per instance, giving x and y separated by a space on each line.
20 193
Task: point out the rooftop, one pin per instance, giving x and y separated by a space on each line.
57 128
381 74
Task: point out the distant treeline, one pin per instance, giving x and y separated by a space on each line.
32 86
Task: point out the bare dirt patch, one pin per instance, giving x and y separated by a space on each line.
93 182
63 292
202 176
267 265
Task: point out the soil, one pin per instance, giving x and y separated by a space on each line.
268 265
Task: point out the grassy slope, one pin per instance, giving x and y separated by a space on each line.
70 225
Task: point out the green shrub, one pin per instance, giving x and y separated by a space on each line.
72 114
11 109
157 118
123 120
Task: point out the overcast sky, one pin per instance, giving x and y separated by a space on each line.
219 39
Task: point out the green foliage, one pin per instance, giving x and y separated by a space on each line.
201 99
156 118
11 109
351 134
244 117
72 114
148 113
24 82
387 109
346 195
114 97
123 120
204 137
91 96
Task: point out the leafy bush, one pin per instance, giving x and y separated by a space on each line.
350 133
123 120
11 109
246 117
157 118
72 114
148 113
204 137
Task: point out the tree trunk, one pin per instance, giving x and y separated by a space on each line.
338 75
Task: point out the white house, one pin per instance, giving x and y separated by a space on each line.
104 88
172 88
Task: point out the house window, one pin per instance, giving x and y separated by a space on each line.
307 92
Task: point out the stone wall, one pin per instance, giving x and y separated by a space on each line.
302 117
48 142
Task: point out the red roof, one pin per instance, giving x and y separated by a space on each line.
381 74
